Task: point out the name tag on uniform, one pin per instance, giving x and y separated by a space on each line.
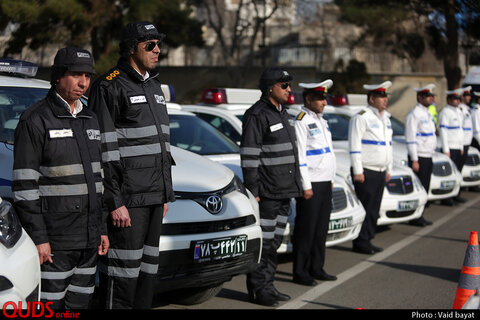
62 133
93 134
138 99
276 127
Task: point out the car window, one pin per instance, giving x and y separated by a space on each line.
222 125
13 101
338 124
194 134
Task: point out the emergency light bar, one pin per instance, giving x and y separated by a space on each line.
214 96
18 67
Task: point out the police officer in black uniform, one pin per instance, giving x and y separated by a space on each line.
57 183
269 161
134 125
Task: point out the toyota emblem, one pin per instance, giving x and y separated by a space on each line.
213 204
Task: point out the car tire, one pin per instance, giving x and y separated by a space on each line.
192 296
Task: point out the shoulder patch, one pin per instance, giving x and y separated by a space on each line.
362 112
300 115
112 75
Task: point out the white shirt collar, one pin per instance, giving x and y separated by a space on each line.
76 110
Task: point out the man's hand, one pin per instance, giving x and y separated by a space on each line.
359 177
387 177
415 166
307 194
44 252
121 217
165 209
104 245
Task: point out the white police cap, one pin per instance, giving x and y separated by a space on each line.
454 93
428 89
378 88
318 87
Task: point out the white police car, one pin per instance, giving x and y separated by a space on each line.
347 214
19 262
212 210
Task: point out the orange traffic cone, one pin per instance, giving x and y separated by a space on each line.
469 280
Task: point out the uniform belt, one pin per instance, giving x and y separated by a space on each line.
374 142
318 151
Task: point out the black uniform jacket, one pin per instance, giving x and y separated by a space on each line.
57 175
135 132
269 155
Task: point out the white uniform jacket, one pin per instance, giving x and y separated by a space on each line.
420 133
315 150
475 114
370 141
450 122
467 124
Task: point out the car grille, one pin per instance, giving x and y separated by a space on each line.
399 214
472 160
400 185
442 169
207 226
339 200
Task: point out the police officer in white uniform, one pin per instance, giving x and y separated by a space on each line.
421 140
370 145
317 169
467 125
450 122
475 114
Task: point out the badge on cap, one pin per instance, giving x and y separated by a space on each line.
428 89
317 87
380 88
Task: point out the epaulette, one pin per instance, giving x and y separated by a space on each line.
362 112
112 75
300 115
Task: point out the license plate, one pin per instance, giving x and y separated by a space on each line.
219 249
475 174
407 205
341 223
447 185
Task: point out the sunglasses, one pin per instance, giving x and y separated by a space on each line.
285 85
151 45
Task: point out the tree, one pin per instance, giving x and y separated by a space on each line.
444 21
94 22
237 31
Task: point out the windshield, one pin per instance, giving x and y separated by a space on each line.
13 101
194 134
397 126
338 124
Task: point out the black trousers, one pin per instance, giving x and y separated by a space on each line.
132 260
424 172
311 229
273 220
370 194
456 156
69 281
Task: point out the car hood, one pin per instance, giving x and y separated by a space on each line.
194 173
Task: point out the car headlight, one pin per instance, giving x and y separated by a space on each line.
239 186
10 227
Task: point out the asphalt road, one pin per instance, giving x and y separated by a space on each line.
418 269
